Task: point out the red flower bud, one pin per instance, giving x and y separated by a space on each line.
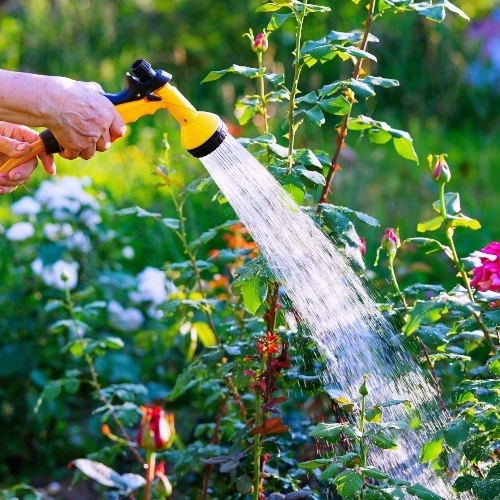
390 241
441 172
362 245
156 431
260 43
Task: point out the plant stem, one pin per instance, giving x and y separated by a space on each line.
182 234
150 473
298 68
342 131
449 231
363 451
70 306
262 94
395 282
257 443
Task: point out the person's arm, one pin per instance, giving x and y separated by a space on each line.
80 117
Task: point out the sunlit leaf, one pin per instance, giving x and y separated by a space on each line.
237 70
432 449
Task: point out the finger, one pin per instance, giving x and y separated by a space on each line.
21 173
7 190
117 128
104 142
69 154
87 153
95 86
13 148
48 163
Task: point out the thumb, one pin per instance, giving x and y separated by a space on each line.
13 148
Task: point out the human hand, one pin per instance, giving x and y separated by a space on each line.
82 120
15 142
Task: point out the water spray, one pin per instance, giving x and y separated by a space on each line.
146 91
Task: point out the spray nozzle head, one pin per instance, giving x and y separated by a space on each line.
142 70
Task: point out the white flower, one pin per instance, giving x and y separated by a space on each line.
20 231
128 319
27 205
57 231
60 275
128 252
152 286
80 241
65 196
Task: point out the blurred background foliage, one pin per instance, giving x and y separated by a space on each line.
440 102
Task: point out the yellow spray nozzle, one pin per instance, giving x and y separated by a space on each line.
201 132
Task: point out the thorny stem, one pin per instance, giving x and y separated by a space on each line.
262 94
298 68
70 306
342 131
270 316
449 230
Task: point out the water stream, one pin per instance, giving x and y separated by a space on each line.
334 305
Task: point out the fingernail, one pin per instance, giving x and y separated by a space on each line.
1 191
107 146
124 129
21 146
16 177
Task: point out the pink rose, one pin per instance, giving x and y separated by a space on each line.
487 275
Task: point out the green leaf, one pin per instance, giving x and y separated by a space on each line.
432 449
461 220
296 192
374 414
140 212
315 178
374 473
275 79
315 116
331 471
71 385
378 136
430 225
432 12
423 313
451 203
324 429
254 291
171 223
434 336
383 441
378 81
203 238
244 484
277 20
237 70
337 105
348 483
422 492
476 448
453 8
404 147
310 98
272 7
52 389
457 432
360 88
113 342
204 333
315 464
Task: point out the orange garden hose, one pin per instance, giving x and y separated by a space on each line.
37 148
